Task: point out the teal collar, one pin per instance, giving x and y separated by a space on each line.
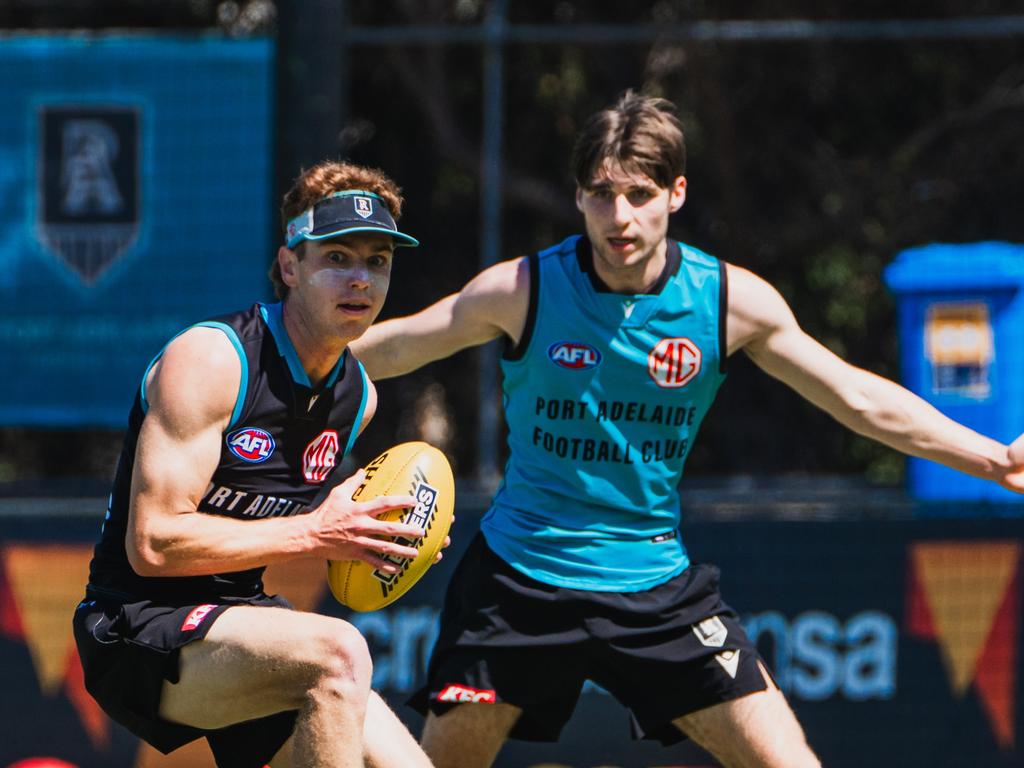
273 316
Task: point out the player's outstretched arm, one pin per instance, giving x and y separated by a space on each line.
492 304
192 391
761 323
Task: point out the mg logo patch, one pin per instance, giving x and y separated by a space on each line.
674 362
574 355
319 457
88 185
251 444
364 206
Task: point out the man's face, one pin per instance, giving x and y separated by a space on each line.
627 215
339 285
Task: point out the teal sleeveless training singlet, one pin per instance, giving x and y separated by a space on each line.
603 403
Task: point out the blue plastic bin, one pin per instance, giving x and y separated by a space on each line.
961 329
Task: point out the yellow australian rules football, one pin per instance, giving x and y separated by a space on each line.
422 471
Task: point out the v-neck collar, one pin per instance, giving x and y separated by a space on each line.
273 316
585 259
623 310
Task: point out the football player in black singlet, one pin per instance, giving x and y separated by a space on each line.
237 424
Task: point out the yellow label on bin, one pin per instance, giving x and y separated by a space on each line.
960 345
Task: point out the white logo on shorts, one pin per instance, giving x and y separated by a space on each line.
730 661
711 632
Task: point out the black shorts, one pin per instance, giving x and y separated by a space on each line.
129 650
663 652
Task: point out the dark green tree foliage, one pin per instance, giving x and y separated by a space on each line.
811 163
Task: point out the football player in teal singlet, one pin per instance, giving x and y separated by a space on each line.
236 426
617 341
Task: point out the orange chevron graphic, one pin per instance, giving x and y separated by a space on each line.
40 585
964 595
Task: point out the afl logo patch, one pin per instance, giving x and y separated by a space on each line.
319 456
674 362
251 444
574 355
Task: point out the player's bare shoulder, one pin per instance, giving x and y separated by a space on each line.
503 280
502 294
196 379
755 308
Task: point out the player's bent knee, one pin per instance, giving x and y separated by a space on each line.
340 661
325 659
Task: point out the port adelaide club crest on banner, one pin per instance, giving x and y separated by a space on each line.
88 185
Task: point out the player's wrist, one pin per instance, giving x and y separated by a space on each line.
310 535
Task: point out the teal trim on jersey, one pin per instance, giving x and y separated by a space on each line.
273 317
332 378
243 384
145 375
602 409
357 423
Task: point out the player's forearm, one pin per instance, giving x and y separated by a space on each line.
884 411
197 544
391 349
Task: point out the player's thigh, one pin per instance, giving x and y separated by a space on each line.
469 735
758 730
257 661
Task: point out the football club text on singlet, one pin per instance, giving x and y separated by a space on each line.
603 399
283 441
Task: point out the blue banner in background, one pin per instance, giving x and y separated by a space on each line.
135 199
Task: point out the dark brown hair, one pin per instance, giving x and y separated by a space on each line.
323 179
640 134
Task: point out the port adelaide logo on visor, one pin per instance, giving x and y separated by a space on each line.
574 355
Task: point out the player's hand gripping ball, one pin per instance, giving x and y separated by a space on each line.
422 471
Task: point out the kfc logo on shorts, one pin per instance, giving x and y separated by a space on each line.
195 618
463 693
364 206
319 456
574 355
251 444
674 362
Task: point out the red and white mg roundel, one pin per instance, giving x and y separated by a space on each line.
674 362
318 458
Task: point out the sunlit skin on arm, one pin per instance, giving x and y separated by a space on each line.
761 323
492 304
192 392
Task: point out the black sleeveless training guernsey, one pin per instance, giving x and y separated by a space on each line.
283 441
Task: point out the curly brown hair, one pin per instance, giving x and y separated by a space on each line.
323 179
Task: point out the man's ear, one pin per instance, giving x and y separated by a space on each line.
288 261
579 199
677 194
